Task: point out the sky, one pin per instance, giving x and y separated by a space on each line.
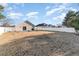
36 13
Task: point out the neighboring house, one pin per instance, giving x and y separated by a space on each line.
45 25
24 26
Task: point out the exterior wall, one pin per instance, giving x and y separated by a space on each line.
20 27
70 30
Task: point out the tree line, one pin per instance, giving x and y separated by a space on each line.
72 19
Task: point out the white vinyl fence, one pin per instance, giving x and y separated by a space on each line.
63 29
5 29
1 30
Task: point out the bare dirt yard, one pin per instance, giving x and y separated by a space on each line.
39 43
10 36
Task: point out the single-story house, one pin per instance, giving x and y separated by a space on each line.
24 26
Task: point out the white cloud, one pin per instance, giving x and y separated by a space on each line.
9 8
60 8
32 14
73 9
48 13
14 15
47 7
60 17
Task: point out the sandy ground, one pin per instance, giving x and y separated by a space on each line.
39 43
10 36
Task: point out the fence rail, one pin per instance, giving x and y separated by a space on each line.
72 30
